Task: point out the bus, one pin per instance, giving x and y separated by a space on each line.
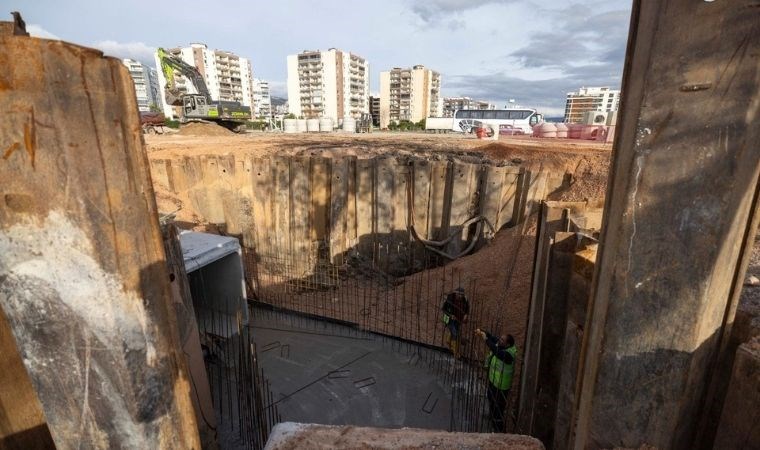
506 121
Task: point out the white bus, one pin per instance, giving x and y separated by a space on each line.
503 121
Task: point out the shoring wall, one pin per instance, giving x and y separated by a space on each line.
563 271
307 207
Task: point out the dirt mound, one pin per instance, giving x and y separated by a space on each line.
203 129
549 154
588 181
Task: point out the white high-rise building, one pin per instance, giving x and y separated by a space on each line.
590 99
452 104
262 101
146 83
228 77
409 94
330 83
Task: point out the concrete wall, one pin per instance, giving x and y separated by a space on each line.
189 337
561 287
576 309
22 421
292 206
84 287
218 294
739 422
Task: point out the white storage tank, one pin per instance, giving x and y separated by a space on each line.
312 125
574 130
301 126
349 125
548 130
537 129
561 130
325 124
289 126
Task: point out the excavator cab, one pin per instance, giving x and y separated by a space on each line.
189 106
196 107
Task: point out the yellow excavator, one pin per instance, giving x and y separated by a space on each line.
199 107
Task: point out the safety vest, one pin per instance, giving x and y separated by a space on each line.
499 372
447 316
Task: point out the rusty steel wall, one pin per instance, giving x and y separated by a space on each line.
304 207
83 282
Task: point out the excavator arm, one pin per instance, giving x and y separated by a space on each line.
171 64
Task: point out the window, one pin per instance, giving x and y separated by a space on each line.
488 114
519 115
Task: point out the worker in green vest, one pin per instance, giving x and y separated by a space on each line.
500 363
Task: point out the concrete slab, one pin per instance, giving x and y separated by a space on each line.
201 249
326 373
290 435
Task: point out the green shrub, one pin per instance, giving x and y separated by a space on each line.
256 124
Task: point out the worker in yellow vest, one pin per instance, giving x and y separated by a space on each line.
500 363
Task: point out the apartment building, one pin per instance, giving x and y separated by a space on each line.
452 104
590 99
330 83
146 83
262 100
409 94
374 110
281 109
228 77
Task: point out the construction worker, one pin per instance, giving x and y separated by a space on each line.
500 363
455 309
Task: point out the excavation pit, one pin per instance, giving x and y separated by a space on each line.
372 234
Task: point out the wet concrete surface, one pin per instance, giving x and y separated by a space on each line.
327 373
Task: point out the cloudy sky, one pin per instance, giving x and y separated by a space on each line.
532 51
